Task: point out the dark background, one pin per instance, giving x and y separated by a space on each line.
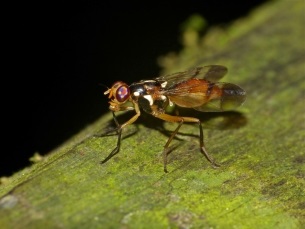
57 56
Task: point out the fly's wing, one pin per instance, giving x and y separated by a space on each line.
212 73
206 96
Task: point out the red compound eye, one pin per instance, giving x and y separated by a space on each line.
122 93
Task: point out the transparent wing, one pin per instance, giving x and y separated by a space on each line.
211 73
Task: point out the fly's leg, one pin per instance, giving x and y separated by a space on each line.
181 120
202 148
118 145
165 150
119 131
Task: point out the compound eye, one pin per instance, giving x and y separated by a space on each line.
122 93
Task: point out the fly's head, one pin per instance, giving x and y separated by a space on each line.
118 94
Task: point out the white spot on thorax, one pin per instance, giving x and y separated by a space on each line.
136 93
163 85
149 98
163 97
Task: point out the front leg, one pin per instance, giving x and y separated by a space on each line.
119 131
118 145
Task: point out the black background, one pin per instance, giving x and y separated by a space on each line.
57 55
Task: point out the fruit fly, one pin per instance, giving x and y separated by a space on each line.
197 88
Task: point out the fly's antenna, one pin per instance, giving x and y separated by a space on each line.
108 89
103 85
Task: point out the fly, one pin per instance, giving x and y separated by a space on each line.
197 88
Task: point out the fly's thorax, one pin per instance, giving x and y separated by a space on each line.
148 94
144 88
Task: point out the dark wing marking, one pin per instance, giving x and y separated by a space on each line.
211 73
